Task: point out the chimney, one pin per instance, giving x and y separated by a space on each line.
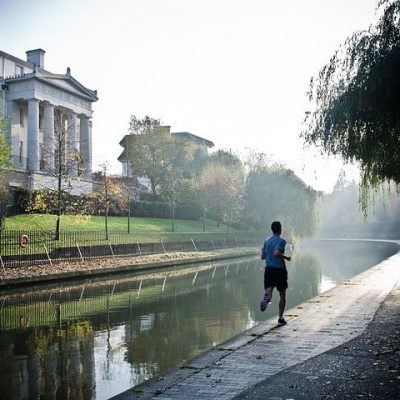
36 57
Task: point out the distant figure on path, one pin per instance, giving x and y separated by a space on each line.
275 274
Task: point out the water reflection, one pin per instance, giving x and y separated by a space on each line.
96 338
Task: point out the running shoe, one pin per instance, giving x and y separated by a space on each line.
281 321
264 303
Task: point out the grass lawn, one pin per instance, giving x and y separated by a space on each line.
115 224
88 231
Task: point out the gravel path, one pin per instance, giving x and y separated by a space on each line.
46 272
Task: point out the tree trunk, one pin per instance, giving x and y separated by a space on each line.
57 233
59 189
59 185
219 213
229 220
106 223
173 218
153 186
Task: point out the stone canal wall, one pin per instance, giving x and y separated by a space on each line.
47 272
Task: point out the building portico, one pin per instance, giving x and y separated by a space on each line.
50 117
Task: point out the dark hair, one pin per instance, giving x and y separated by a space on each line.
276 227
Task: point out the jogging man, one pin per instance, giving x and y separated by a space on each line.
275 274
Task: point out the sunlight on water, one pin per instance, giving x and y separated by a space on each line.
326 284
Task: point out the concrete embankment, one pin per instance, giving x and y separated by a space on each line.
236 367
46 273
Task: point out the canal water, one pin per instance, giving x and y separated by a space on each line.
93 339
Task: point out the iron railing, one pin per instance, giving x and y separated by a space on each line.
26 248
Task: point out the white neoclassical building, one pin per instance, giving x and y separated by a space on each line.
39 105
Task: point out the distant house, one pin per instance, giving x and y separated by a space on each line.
34 99
128 140
197 140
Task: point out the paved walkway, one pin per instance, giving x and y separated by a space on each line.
255 364
366 367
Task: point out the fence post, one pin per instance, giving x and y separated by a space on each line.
163 286
79 250
194 245
1 259
2 265
140 288
48 256
194 278
162 243
213 245
112 251
140 251
83 291
58 314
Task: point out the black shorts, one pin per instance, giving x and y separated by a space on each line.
275 277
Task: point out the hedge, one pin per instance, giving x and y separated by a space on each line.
80 204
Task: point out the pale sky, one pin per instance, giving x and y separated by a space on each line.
233 71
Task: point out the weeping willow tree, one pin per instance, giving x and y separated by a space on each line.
355 102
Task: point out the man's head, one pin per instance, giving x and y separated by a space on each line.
276 228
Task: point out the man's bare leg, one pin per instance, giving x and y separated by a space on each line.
266 299
268 292
282 302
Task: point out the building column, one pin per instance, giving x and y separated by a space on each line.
72 145
13 110
48 139
86 145
33 135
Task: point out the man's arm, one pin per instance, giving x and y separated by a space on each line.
278 253
263 254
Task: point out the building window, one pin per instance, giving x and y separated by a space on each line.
19 70
21 117
20 151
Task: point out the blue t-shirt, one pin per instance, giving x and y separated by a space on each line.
271 245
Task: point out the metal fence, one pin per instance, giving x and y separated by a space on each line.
26 248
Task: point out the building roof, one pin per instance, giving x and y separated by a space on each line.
178 135
16 59
124 142
194 138
65 81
